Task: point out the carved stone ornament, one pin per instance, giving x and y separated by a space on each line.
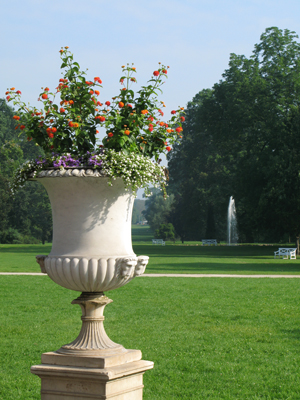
67 172
92 275
91 248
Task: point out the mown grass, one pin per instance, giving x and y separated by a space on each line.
209 338
172 258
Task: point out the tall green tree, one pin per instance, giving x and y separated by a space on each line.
158 209
246 132
198 176
27 215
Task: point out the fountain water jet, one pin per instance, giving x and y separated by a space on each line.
232 233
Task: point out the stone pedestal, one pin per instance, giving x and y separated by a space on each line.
114 376
91 253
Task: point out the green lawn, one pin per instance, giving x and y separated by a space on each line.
209 338
172 258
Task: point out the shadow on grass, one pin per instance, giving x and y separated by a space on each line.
208 252
292 333
215 268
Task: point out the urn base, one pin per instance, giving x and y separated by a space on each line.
113 376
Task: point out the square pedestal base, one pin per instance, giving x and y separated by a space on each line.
114 376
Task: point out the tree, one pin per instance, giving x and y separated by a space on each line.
27 216
158 209
198 176
138 208
246 131
165 232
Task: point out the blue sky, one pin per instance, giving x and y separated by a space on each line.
193 37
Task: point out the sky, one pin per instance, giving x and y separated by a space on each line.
193 37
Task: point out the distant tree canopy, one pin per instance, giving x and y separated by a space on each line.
137 212
242 138
26 218
157 209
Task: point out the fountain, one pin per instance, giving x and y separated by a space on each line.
232 233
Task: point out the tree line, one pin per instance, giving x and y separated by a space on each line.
25 217
241 139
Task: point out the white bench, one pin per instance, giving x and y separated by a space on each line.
285 252
209 242
158 241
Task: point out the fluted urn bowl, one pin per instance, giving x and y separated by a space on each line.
91 248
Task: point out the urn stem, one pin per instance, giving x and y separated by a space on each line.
92 339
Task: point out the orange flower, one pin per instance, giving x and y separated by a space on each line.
110 134
169 130
75 125
22 127
161 123
179 129
16 117
168 148
91 92
97 92
51 136
62 110
121 104
127 132
53 130
71 102
144 112
44 96
70 124
12 88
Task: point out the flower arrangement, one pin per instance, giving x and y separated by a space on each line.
67 130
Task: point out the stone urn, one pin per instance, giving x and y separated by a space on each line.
91 253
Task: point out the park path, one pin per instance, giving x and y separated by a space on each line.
178 275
